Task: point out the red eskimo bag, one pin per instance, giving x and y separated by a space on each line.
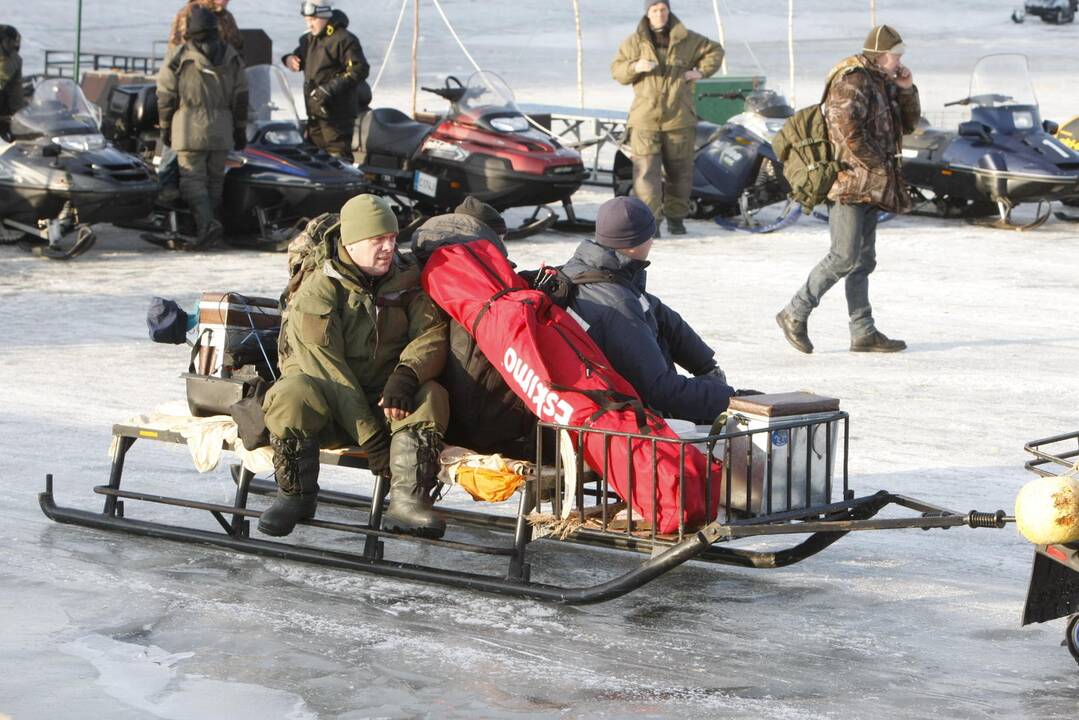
556 368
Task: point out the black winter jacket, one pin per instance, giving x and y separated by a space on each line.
644 339
333 64
485 414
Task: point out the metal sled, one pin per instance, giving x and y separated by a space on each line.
774 485
1054 578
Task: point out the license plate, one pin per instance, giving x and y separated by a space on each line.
425 184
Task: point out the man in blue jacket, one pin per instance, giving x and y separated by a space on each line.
642 338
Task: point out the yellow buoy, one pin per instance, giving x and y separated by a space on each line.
1047 510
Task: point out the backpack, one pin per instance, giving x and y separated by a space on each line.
807 154
308 250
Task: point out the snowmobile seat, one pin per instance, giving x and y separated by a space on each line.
927 142
387 131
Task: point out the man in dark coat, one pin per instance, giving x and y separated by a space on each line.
642 338
335 73
11 95
202 102
870 104
488 416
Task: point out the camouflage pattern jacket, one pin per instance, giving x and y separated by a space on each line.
867 116
226 25
353 331
663 99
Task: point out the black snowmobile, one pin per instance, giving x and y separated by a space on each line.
271 187
484 147
735 172
59 175
1003 156
1057 12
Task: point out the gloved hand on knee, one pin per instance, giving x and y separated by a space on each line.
377 449
399 394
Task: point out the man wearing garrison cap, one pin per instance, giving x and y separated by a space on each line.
662 60
870 103
361 345
642 338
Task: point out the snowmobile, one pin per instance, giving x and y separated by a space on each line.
1057 12
1003 156
484 147
59 175
735 171
270 186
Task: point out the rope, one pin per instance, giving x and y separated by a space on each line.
393 39
438 6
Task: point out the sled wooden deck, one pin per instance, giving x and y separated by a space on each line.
592 518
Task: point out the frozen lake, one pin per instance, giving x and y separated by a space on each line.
904 624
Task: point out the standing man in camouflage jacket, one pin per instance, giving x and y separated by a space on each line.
662 60
871 103
11 97
361 345
202 104
334 77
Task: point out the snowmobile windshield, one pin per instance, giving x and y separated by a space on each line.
1000 80
270 103
488 97
57 108
769 104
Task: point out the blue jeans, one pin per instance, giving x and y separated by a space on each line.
853 256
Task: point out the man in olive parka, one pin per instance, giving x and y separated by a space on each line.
661 60
361 345
202 103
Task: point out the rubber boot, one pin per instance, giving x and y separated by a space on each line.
413 468
209 229
296 465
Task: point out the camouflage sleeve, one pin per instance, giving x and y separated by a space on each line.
167 101
11 95
622 66
428 329
910 108
316 342
710 57
846 110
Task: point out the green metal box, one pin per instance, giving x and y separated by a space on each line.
717 109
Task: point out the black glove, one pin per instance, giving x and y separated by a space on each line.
239 138
377 449
317 100
166 136
400 390
745 391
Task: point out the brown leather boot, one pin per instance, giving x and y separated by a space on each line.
796 331
876 341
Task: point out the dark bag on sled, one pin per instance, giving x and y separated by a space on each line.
235 347
249 415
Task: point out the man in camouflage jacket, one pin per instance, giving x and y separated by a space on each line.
870 104
662 60
361 346
11 96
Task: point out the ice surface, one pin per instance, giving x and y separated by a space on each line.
897 624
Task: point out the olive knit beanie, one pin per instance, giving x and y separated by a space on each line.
366 216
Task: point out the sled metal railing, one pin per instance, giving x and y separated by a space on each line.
1053 453
777 473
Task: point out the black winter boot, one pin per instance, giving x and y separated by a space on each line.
676 226
413 468
295 462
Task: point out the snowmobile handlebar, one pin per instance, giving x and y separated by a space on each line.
452 93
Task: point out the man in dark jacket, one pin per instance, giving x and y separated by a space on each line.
360 350
642 338
335 73
11 95
871 103
202 102
488 416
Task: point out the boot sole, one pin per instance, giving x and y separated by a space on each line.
423 532
878 349
274 533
